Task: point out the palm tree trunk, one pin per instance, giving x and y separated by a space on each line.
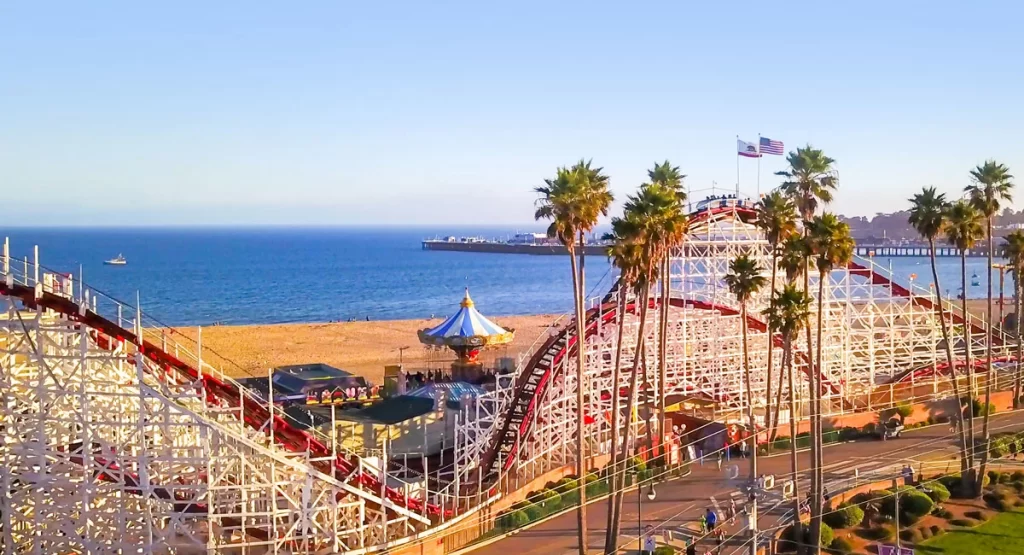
769 418
614 479
629 408
666 291
581 511
787 362
816 501
989 376
949 357
967 484
815 390
778 399
1016 307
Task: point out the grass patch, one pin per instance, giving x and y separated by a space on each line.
1003 534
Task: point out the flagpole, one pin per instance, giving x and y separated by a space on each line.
758 167
737 166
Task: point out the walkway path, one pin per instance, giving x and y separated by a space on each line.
679 503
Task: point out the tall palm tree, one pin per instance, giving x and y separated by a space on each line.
573 201
1014 252
963 229
991 185
744 280
625 255
928 216
674 233
640 225
832 247
811 181
793 256
776 217
787 313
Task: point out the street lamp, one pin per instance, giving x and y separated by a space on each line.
651 495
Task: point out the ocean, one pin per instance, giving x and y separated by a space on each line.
202 276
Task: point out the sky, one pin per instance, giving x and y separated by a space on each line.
413 113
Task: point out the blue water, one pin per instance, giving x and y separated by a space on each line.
267 275
274 275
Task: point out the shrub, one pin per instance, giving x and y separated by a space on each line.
869 428
998 500
1004 477
782 444
925 533
976 515
912 535
913 505
571 498
962 522
1017 476
638 464
665 550
847 433
842 546
513 519
937 530
1018 485
937 492
846 516
825 538
535 512
903 410
882 533
942 513
549 498
566 485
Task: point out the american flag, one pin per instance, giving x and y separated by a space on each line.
769 146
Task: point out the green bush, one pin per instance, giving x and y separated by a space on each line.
846 516
570 498
925 533
842 546
881 533
825 538
903 410
963 522
942 513
848 433
513 519
535 513
869 428
1017 476
549 498
638 464
913 505
566 485
912 535
938 492
937 530
976 515
665 550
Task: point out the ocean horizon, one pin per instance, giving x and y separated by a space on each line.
235 275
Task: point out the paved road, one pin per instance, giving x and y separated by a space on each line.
680 502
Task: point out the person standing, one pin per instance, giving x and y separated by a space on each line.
712 519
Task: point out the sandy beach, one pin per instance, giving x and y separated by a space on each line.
361 347
364 348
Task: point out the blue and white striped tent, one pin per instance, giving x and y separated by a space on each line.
466 328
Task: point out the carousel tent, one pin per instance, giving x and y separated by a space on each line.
466 328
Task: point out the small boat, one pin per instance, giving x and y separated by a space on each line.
974 280
119 261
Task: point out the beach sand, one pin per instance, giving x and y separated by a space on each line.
364 348
361 347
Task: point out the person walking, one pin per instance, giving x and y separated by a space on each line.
730 511
703 523
712 519
721 459
1013 449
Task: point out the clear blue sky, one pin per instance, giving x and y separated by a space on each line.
433 112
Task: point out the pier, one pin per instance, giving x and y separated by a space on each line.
894 251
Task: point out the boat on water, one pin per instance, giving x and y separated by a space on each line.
118 261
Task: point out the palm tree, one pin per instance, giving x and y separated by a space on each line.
963 229
674 229
811 180
832 247
787 313
1014 252
793 256
641 226
573 201
928 216
744 280
625 255
776 217
991 185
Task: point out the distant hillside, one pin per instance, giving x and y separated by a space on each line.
894 226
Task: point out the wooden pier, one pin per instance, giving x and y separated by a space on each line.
889 251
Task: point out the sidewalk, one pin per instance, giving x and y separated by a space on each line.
679 503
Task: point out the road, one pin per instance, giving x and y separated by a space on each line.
680 502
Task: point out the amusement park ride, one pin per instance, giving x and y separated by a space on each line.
121 435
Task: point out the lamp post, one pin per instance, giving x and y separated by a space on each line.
651 495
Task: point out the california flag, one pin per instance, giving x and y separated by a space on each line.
746 149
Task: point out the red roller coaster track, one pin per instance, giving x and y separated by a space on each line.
255 414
